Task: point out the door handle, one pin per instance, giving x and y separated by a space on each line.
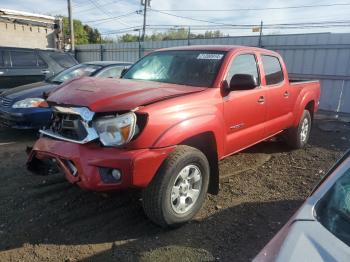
1 73
261 100
286 94
45 71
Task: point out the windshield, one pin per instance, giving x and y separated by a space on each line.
75 71
333 210
192 67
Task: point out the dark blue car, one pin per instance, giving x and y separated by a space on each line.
20 106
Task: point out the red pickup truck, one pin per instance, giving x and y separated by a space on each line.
166 124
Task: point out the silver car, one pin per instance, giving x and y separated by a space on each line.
320 230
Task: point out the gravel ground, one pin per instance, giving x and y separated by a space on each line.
47 219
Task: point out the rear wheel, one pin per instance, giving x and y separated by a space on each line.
297 137
178 190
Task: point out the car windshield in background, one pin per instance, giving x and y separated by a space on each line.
333 211
195 68
64 60
75 71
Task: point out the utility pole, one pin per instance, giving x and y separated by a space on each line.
71 28
189 36
139 40
145 3
260 35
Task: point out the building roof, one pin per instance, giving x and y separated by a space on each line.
26 16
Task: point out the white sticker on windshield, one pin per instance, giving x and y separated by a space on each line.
210 56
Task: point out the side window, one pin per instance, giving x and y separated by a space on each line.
273 70
41 62
1 59
6 58
113 72
23 59
244 64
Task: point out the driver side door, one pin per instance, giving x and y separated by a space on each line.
244 110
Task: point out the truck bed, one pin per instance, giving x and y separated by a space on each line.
300 81
294 79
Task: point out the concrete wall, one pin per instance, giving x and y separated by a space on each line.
323 56
18 35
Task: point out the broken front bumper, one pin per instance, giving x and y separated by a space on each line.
85 165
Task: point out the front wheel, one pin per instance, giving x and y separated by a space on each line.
179 188
297 137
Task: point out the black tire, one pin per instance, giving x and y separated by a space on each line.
157 202
294 137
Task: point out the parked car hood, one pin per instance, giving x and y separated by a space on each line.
303 238
107 95
28 91
305 241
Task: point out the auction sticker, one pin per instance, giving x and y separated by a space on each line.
210 56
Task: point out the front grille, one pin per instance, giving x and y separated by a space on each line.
5 101
71 124
68 126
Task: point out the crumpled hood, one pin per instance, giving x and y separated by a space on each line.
28 91
106 95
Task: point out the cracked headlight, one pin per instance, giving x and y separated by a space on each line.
28 103
116 130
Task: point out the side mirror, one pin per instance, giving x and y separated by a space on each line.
243 82
123 72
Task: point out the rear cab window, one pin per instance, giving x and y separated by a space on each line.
64 60
273 70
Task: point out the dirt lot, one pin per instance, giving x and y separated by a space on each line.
47 219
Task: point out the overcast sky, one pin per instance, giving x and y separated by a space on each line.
89 10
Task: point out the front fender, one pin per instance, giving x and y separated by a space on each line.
190 127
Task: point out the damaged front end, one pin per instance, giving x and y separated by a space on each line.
42 167
67 124
44 164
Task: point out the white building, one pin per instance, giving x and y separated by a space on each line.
23 29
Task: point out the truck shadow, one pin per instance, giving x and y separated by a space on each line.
237 233
69 217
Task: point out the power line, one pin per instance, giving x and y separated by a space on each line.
251 25
254 9
329 24
75 5
112 18
93 8
126 29
188 18
99 7
223 24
